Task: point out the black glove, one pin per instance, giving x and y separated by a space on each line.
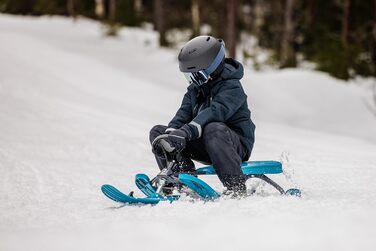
157 149
169 130
177 140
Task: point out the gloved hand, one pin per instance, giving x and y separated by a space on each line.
157 149
177 139
168 130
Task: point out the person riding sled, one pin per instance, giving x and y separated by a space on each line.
213 124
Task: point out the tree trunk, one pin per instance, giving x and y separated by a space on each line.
71 8
345 21
112 11
195 9
374 23
137 5
99 8
373 54
231 33
287 52
159 21
310 13
258 13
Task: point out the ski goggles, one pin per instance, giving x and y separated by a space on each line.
198 78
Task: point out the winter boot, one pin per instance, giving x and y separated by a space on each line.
185 165
235 187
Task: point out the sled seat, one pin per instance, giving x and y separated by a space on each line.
249 167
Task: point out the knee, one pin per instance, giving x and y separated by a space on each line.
215 131
155 131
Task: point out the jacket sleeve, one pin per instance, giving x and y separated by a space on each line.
183 115
224 104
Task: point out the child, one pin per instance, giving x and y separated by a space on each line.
213 124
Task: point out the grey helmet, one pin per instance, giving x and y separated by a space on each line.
201 59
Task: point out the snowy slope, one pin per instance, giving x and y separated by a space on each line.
75 111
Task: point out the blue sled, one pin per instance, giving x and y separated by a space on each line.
252 169
115 195
249 167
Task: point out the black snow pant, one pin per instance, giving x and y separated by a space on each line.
219 146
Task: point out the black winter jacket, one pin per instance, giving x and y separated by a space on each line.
220 100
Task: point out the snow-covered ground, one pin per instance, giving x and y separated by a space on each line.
75 111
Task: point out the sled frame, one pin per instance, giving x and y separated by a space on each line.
267 180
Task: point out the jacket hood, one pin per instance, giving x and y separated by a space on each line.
232 70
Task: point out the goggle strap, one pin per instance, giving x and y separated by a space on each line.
217 60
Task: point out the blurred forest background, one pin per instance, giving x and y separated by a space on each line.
334 36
